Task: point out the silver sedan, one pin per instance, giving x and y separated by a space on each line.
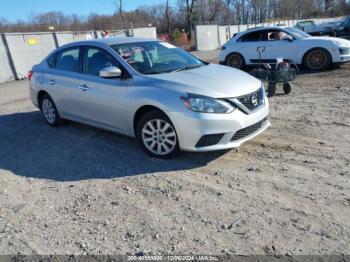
165 97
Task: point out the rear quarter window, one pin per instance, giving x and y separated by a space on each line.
51 61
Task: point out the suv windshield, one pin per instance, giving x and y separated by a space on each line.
297 33
345 21
154 57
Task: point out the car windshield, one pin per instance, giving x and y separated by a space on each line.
154 57
345 21
297 33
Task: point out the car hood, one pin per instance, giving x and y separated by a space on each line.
211 80
335 40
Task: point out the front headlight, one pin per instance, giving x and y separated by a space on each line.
344 50
205 104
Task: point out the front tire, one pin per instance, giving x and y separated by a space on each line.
235 60
157 135
317 60
49 111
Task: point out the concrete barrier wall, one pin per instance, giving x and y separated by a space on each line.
79 36
5 69
211 37
28 49
64 38
149 32
207 37
233 30
68 37
224 34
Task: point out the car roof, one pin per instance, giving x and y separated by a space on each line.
109 41
250 30
124 40
255 29
306 21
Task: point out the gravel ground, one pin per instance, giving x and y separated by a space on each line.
80 190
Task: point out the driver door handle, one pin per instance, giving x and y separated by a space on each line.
83 87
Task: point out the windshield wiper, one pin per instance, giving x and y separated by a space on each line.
153 73
186 68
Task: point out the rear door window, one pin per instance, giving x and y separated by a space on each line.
68 60
254 37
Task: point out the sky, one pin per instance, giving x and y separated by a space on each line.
12 10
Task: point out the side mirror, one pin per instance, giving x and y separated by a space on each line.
110 72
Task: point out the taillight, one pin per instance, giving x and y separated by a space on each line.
30 74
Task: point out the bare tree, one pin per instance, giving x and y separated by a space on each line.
214 8
119 5
187 12
167 16
189 9
229 13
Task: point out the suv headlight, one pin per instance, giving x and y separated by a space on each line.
205 104
344 50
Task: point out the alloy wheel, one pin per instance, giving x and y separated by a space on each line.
317 59
159 137
235 61
48 111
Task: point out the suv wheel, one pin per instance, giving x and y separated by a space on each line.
235 60
49 111
317 59
157 135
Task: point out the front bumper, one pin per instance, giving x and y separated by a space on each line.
344 58
192 126
222 56
341 57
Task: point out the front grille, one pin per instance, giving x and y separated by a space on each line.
248 130
209 140
252 100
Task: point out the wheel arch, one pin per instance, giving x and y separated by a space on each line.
315 48
238 53
141 111
41 93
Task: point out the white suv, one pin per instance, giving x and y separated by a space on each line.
293 45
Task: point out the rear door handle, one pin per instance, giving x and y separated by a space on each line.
83 87
52 82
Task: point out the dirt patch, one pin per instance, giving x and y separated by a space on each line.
76 189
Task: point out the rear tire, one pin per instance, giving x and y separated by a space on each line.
235 60
157 135
317 59
49 111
